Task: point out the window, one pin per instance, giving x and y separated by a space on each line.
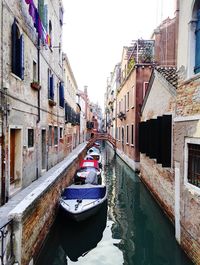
194 41
30 138
50 85
145 86
61 95
34 71
17 51
127 134
61 15
50 135
55 135
61 132
125 104
128 101
119 135
193 171
132 134
119 106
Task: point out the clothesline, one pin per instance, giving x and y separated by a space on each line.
42 34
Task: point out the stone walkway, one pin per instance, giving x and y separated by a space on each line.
21 195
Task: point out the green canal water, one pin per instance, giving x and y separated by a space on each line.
129 229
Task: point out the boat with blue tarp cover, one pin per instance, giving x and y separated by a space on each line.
82 201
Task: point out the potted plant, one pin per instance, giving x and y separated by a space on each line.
35 85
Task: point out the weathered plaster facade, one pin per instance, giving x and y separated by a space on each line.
27 109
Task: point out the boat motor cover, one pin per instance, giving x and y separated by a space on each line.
84 193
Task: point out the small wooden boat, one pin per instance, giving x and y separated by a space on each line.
82 201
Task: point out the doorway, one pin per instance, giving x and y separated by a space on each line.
15 157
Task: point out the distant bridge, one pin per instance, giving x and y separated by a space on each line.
102 136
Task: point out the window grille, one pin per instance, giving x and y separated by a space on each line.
194 164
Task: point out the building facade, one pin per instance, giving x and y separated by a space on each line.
136 67
187 130
36 82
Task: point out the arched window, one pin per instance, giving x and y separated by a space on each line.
17 51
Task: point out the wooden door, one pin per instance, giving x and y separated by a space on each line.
12 156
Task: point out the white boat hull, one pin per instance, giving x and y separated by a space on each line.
81 209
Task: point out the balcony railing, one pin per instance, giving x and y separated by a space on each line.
6 244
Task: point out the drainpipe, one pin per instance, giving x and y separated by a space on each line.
3 125
176 29
38 99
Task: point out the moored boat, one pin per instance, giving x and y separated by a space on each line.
82 201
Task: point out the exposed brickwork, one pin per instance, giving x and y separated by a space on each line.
190 246
188 98
160 182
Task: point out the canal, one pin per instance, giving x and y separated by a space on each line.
129 229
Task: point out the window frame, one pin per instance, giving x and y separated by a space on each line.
55 138
189 140
50 138
127 134
132 135
33 142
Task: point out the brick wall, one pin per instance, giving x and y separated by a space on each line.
160 182
190 200
36 219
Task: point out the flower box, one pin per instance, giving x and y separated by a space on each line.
35 85
52 103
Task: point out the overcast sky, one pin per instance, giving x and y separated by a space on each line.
95 32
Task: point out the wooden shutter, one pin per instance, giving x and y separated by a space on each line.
21 57
14 31
147 136
158 131
141 137
51 94
197 52
153 123
166 140
61 94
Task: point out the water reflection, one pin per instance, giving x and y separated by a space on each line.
131 229
145 235
69 240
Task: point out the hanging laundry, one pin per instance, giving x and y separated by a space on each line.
33 12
